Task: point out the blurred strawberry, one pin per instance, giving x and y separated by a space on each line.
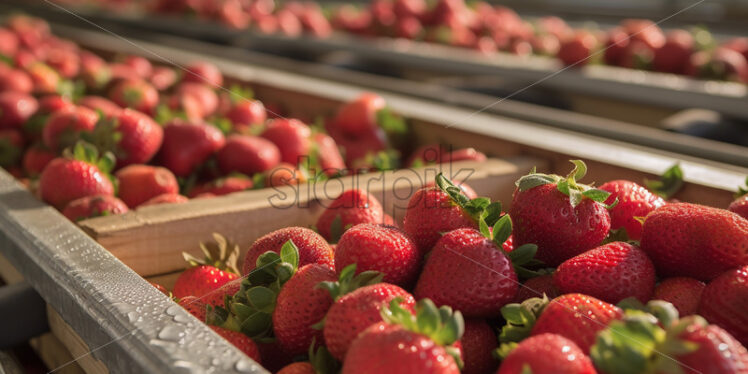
169 198
63 128
15 109
140 183
578 49
45 79
292 138
247 155
187 145
135 94
221 186
673 55
141 66
15 80
163 78
94 206
201 93
36 158
203 72
100 104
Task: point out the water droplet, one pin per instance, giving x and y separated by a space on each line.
245 366
172 333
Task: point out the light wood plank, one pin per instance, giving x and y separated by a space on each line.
54 354
76 346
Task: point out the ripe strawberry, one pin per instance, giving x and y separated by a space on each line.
98 103
432 211
407 343
611 272
351 208
246 113
684 293
300 304
63 128
161 288
427 155
204 95
537 287
328 155
15 80
167 198
241 341
292 138
221 186
206 278
355 309
94 71
633 201
564 218
724 302
162 78
673 55
140 65
577 49
187 145
465 154
63 61
694 240
36 158
15 109
8 42
11 146
140 183
136 94
576 317
547 354
194 306
247 155
77 174
468 272
359 116
740 206
133 137
380 248
298 368
312 247
94 206
45 79
478 343
203 72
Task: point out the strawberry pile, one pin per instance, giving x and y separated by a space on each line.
96 137
635 43
570 279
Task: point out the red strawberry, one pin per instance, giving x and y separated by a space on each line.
187 145
169 198
206 278
328 155
358 309
36 158
63 127
222 186
564 218
431 211
633 201
403 345
611 272
359 116
352 207
300 304
292 138
684 293
245 113
46 80
241 341
247 155
8 42
140 65
11 145
195 306
577 49
94 206
465 154
673 55
140 183
576 317
135 94
427 154
718 351
537 287
94 71
15 80
694 240
65 62
478 343
298 368
162 78
384 249
724 302
203 95
66 178
98 103
139 137
161 288
740 206
203 72
547 354
15 109
312 247
468 272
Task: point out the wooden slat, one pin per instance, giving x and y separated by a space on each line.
54 354
75 344
150 240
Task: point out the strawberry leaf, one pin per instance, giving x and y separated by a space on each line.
742 190
502 230
290 253
520 319
336 229
534 180
392 124
349 281
668 184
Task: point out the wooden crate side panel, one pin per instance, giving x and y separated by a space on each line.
74 343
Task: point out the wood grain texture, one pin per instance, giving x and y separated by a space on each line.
77 348
54 354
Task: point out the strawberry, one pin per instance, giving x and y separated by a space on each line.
8 42
101 104
241 341
161 288
133 137
351 208
312 247
611 272
292 138
577 49
247 155
407 343
63 128
465 154
724 302
380 248
15 109
547 354
537 287
298 368
299 305
65 62
633 201
246 113
427 155
222 186
203 72
328 155
11 145
162 78
15 80
95 72
204 278
136 94
140 65
359 116
36 158
45 79
673 55
684 293
204 95
740 206
320 361
564 218
283 175
168 198
140 183
79 173
478 343
94 206
187 145
694 240
194 306
357 306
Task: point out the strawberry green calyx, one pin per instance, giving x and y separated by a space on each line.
669 183
391 123
221 254
567 185
239 93
349 281
442 325
480 208
522 257
664 311
742 190
86 152
321 360
520 319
